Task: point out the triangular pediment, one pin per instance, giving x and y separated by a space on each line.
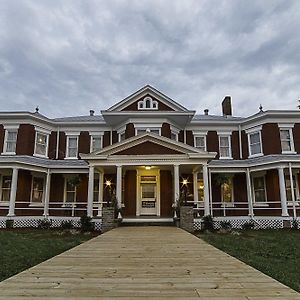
148 144
157 101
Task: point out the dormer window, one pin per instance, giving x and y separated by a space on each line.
148 104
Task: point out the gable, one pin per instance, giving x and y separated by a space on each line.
135 105
147 148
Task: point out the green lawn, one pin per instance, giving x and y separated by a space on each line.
23 248
274 252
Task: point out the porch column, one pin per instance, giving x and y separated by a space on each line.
249 194
206 190
284 211
119 188
13 192
47 194
292 191
210 193
176 187
101 180
90 199
195 188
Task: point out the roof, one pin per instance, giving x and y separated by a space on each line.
88 118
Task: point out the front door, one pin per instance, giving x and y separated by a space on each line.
148 198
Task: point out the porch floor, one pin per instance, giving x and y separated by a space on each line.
144 262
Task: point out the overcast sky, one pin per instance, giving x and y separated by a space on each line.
68 57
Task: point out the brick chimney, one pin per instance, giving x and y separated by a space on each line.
226 106
92 112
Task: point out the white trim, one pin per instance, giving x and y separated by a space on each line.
92 136
67 146
254 129
291 140
205 142
229 146
249 145
45 133
7 130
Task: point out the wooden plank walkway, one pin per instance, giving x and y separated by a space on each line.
146 263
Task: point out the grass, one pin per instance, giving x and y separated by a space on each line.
273 252
24 248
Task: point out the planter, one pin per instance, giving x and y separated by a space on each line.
187 218
108 219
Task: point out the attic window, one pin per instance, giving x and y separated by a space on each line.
147 104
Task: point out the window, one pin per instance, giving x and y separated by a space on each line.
225 146
259 189
288 188
70 192
5 189
121 136
174 136
255 143
143 130
148 103
37 190
227 191
96 190
200 185
200 142
96 143
72 146
286 138
10 141
41 144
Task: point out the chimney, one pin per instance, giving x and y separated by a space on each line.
92 112
226 106
206 112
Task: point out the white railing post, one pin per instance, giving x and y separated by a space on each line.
195 188
249 194
47 194
292 191
13 192
90 192
284 211
101 181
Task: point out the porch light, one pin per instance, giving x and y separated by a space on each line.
108 183
148 168
185 182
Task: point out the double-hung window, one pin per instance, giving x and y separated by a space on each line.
254 142
259 189
200 142
70 192
225 146
286 139
227 192
5 189
96 143
37 190
72 146
41 144
10 140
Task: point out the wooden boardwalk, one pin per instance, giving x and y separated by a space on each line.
146 263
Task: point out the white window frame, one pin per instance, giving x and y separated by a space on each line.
45 133
254 131
153 104
231 203
4 203
147 128
96 135
259 203
200 134
31 190
72 135
65 203
174 131
288 127
121 132
9 128
228 136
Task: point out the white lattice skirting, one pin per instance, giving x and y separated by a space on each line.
259 222
33 222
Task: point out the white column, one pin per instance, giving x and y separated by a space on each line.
195 188
47 194
210 193
284 211
13 193
101 181
292 191
176 186
249 193
206 190
90 199
119 188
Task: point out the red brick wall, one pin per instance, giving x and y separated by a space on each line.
52 145
235 148
62 145
189 138
130 193
166 193
130 131
106 139
114 137
180 136
84 142
245 149
25 140
165 130
212 141
2 132
296 134
271 139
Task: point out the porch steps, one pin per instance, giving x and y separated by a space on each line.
147 221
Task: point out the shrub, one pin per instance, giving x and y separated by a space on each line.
9 224
86 224
208 223
248 225
44 224
66 225
225 225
